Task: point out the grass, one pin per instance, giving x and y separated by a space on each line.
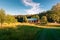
29 33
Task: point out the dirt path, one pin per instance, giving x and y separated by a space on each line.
40 25
14 25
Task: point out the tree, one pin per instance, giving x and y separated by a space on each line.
56 12
44 20
10 19
56 7
25 19
2 16
37 17
33 16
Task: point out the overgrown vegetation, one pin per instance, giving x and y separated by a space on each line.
6 18
52 15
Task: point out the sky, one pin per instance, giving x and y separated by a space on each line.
24 7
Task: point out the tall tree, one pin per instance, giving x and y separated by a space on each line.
43 20
10 19
25 19
35 16
2 16
56 7
56 12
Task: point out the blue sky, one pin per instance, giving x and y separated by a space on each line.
21 7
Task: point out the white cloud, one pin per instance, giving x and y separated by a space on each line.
35 7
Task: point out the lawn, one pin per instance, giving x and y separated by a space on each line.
29 33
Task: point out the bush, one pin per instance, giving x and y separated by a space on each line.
44 20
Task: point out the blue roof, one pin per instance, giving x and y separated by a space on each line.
32 19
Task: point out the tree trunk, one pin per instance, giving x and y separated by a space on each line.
1 23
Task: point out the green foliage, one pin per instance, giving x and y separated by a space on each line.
35 16
25 19
56 13
55 17
53 14
56 7
6 18
10 19
2 15
44 20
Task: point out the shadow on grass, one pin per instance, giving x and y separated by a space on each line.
29 33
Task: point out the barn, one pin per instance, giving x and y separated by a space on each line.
33 20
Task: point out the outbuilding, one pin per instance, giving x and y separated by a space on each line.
33 20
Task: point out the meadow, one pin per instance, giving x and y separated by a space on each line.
24 32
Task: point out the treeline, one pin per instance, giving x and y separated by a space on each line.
5 18
52 15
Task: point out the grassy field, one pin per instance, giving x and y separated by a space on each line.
29 33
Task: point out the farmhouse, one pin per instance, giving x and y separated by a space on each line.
33 20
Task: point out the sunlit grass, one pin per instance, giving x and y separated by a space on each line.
29 33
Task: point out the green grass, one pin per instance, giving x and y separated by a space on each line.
29 33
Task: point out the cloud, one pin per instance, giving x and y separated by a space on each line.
35 7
